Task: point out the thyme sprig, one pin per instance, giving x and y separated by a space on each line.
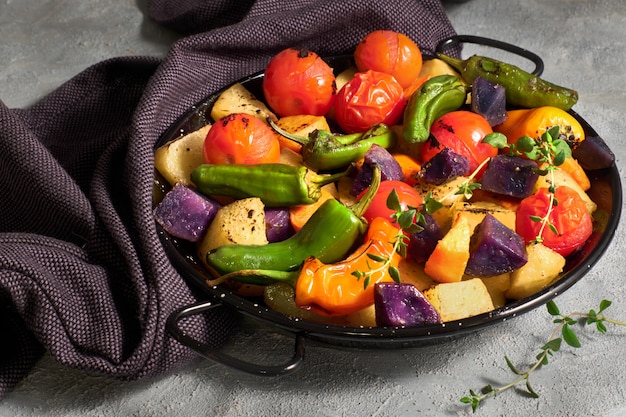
549 152
567 334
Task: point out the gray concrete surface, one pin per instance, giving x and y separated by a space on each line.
45 42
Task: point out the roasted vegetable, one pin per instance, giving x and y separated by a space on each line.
237 99
489 100
177 159
459 300
347 286
495 249
535 122
448 260
422 244
444 166
277 185
184 213
544 266
328 235
593 153
402 305
389 168
323 150
522 88
240 222
510 175
277 224
434 98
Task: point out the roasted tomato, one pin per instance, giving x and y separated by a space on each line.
465 126
408 196
569 216
298 81
392 53
369 98
241 139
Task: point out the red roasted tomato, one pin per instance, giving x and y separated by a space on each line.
392 53
408 196
465 126
371 97
298 81
241 139
570 217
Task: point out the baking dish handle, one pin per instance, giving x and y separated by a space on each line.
493 43
208 352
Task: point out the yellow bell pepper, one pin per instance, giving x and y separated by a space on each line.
534 122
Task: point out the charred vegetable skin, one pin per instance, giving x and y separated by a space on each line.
277 185
328 235
437 96
522 88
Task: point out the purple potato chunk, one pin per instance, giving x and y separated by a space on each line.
277 224
489 100
402 305
593 153
185 213
444 166
422 243
495 249
390 169
513 176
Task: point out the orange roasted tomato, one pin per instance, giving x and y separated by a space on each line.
569 216
392 53
298 81
369 98
463 132
241 139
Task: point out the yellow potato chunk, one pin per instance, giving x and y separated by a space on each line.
476 212
543 266
459 300
242 222
237 99
178 158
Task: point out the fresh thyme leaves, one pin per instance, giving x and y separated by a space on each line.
549 153
563 332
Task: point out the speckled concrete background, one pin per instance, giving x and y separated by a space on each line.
43 43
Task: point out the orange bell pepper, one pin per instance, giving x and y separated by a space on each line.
333 290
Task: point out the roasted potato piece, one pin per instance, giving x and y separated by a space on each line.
459 300
176 159
237 99
543 266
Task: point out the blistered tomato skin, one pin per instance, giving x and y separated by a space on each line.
465 127
389 52
241 139
407 195
298 81
569 217
369 98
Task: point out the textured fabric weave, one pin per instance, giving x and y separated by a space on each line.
82 272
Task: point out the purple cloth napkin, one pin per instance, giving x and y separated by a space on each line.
83 275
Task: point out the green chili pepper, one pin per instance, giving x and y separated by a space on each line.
277 185
436 97
522 88
323 150
328 235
